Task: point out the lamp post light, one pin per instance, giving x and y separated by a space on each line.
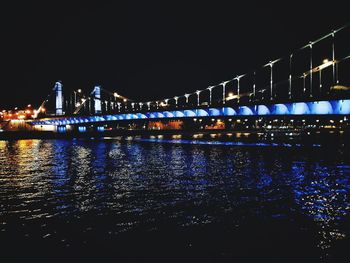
140 105
75 96
198 92
310 45
132 106
224 91
290 76
187 96
271 63
166 102
238 87
176 100
210 94
125 104
335 79
89 105
157 105
119 105
149 105
326 63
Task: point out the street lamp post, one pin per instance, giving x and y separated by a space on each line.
115 95
271 79
149 105
254 87
224 91
210 94
176 100
75 99
198 92
290 76
238 86
304 88
125 104
310 44
187 96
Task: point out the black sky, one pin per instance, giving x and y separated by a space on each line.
148 50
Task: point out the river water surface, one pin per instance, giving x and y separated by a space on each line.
142 200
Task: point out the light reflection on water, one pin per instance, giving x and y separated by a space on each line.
140 184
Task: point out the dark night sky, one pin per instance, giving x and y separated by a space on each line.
147 50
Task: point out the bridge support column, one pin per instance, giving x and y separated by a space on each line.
59 98
97 99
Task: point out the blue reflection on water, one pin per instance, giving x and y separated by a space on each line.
137 184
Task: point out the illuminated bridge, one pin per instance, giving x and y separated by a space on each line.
310 86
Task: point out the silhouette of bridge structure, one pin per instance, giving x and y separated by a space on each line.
313 80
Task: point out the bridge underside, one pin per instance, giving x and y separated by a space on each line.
332 107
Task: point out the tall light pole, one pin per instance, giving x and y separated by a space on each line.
176 99
290 76
310 45
198 92
149 105
75 98
210 94
224 91
187 96
254 81
125 104
140 105
335 79
304 88
238 86
115 95
271 63
119 105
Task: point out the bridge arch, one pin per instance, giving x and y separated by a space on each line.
320 107
214 112
300 108
341 107
280 109
262 110
168 114
245 110
228 111
202 113
189 113
179 114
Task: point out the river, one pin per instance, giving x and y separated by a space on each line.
152 200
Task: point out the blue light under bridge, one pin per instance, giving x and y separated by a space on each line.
336 107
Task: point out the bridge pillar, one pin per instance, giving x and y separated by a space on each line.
59 98
97 99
